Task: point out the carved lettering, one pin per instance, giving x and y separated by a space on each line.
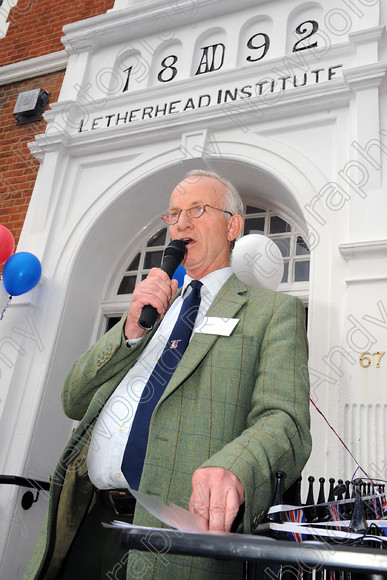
212 58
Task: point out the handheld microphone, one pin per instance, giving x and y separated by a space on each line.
173 256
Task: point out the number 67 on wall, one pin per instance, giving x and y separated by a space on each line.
365 358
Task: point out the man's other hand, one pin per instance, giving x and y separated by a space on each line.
216 497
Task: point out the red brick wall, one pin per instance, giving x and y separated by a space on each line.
35 26
35 29
18 168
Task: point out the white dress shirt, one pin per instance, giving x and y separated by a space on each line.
114 423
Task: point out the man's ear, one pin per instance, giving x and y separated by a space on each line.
235 225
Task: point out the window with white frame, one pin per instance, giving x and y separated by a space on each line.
288 236
284 230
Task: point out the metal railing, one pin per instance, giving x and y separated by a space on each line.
265 557
28 498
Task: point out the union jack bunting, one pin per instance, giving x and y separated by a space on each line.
335 513
297 517
384 504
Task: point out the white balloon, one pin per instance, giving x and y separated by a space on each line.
258 261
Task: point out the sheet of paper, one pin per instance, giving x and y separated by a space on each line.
172 515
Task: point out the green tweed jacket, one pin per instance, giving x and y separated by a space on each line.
239 402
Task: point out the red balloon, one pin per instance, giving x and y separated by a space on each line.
7 244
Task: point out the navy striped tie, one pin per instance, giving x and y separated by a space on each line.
135 450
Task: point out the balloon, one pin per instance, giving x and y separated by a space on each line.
7 244
21 273
258 261
179 275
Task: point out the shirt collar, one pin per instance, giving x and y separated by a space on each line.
212 283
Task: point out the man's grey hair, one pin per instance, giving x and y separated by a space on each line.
233 201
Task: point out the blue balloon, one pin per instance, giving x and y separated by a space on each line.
179 275
21 273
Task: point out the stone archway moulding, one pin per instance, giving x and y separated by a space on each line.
293 178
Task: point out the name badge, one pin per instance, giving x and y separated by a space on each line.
216 325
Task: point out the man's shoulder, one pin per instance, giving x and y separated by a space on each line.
270 299
258 293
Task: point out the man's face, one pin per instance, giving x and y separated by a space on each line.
209 235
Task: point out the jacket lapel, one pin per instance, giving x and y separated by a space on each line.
228 302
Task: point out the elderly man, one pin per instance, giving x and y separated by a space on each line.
232 412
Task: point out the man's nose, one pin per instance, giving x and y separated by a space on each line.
184 221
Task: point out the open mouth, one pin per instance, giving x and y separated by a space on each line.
188 241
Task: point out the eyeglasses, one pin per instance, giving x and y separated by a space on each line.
193 213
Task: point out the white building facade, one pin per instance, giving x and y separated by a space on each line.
287 99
